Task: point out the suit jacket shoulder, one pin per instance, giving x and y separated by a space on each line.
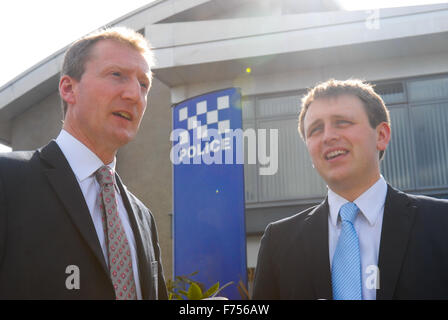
430 204
293 221
14 163
282 268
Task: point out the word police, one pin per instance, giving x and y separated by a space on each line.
210 147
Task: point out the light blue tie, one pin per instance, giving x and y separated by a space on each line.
346 269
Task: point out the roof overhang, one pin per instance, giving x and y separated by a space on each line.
204 51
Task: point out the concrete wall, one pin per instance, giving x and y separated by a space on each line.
38 124
5 132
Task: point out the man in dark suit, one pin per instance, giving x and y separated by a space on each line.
69 228
366 240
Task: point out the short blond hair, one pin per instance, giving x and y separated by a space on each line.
79 51
374 106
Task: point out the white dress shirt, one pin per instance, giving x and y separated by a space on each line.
368 225
84 164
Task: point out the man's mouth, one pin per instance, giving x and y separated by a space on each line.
335 153
123 114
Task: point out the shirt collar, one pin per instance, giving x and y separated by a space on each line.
370 203
81 159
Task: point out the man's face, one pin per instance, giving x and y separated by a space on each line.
343 146
110 98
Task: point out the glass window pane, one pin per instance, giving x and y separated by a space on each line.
419 90
250 170
397 165
295 178
431 144
248 108
391 92
273 106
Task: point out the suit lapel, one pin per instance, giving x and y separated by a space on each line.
66 187
143 242
315 239
397 223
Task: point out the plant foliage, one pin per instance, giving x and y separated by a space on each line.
184 288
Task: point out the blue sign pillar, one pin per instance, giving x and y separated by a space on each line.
208 192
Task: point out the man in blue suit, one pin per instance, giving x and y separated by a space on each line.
393 246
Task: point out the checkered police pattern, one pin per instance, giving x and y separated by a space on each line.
204 115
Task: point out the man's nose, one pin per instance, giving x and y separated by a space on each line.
330 135
132 90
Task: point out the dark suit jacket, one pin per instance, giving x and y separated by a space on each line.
293 261
45 226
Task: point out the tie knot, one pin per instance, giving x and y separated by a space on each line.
105 175
348 212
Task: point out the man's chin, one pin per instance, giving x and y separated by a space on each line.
122 138
336 178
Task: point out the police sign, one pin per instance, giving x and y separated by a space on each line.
208 190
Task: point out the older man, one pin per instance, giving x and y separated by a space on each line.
69 228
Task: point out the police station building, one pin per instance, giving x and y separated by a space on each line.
272 50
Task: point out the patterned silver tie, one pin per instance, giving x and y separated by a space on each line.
120 262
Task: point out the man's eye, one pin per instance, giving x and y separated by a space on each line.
144 85
116 74
313 131
343 122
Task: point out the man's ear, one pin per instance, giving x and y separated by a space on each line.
383 136
67 89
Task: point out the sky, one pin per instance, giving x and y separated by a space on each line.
31 31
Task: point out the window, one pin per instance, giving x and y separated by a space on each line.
295 178
416 159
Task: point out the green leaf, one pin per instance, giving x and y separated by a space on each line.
211 290
194 292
